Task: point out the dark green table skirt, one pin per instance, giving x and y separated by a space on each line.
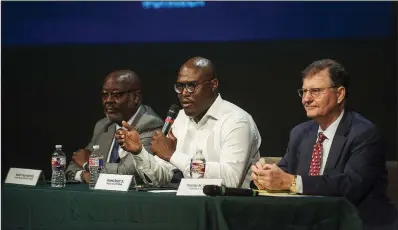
76 207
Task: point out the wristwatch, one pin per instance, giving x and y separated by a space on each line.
81 176
85 167
292 187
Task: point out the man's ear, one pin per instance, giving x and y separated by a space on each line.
214 85
137 97
340 94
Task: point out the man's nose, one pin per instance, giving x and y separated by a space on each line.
306 97
185 92
108 99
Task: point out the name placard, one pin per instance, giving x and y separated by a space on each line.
113 182
23 176
194 187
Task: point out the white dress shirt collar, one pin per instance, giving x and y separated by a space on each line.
213 111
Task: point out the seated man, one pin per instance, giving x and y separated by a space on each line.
121 98
226 134
337 153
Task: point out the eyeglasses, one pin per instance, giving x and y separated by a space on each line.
189 86
115 95
314 92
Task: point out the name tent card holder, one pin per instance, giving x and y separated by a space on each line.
22 176
113 182
194 187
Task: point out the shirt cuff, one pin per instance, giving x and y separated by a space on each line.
299 185
141 157
77 175
180 161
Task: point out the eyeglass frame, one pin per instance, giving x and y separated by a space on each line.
116 95
301 92
185 85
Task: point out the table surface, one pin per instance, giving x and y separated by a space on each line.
78 207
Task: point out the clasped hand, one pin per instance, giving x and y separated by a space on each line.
270 177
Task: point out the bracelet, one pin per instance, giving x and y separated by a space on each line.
81 176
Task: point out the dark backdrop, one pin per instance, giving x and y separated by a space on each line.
50 94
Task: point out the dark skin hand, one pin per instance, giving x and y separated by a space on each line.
129 139
86 177
80 157
163 146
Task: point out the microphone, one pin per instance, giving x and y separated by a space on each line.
171 115
215 190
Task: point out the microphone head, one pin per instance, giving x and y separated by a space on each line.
212 190
173 111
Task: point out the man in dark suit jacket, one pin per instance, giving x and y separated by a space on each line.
122 101
337 153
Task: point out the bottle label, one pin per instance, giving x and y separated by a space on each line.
198 166
94 162
58 162
101 162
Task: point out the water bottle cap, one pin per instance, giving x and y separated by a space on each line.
96 147
58 146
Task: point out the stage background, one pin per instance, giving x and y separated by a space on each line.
56 55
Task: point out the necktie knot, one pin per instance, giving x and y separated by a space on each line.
321 137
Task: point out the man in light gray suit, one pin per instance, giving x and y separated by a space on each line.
122 101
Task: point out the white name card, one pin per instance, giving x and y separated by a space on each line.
194 187
23 176
114 182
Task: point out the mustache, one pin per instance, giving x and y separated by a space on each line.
185 99
110 106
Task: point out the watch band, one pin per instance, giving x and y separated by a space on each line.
81 176
85 167
292 187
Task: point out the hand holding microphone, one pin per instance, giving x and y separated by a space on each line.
161 145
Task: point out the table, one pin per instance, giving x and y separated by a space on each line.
77 207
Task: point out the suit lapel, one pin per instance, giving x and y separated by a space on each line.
339 141
306 148
136 122
105 141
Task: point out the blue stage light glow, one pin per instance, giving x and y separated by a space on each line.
172 4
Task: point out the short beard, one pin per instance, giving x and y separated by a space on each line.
116 119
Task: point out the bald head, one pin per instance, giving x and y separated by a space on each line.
125 77
201 66
196 87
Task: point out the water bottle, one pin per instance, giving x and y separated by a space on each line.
198 165
96 166
58 162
